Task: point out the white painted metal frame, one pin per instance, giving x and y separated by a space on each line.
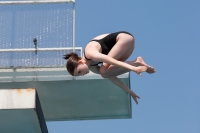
73 48
36 1
48 1
42 49
73 43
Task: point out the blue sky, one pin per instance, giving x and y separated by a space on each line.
167 36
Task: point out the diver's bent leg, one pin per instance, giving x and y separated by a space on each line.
111 70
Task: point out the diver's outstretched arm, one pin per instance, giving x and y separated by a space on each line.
119 83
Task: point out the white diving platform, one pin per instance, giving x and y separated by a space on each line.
64 97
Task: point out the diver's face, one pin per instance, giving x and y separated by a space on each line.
81 70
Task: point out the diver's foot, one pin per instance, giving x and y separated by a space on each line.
141 69
140 62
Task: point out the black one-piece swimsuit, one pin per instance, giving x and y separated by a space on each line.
107 43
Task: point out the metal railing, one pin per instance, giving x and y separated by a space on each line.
41 49
31 57
36 1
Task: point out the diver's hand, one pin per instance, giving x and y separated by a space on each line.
135 97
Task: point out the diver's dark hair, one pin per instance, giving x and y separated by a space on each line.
72 62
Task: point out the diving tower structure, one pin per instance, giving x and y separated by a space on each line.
35 86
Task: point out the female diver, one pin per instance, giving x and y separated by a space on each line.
111 50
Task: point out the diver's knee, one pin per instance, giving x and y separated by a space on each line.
132 40
104 75
103 72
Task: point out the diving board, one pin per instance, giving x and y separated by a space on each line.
64 97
